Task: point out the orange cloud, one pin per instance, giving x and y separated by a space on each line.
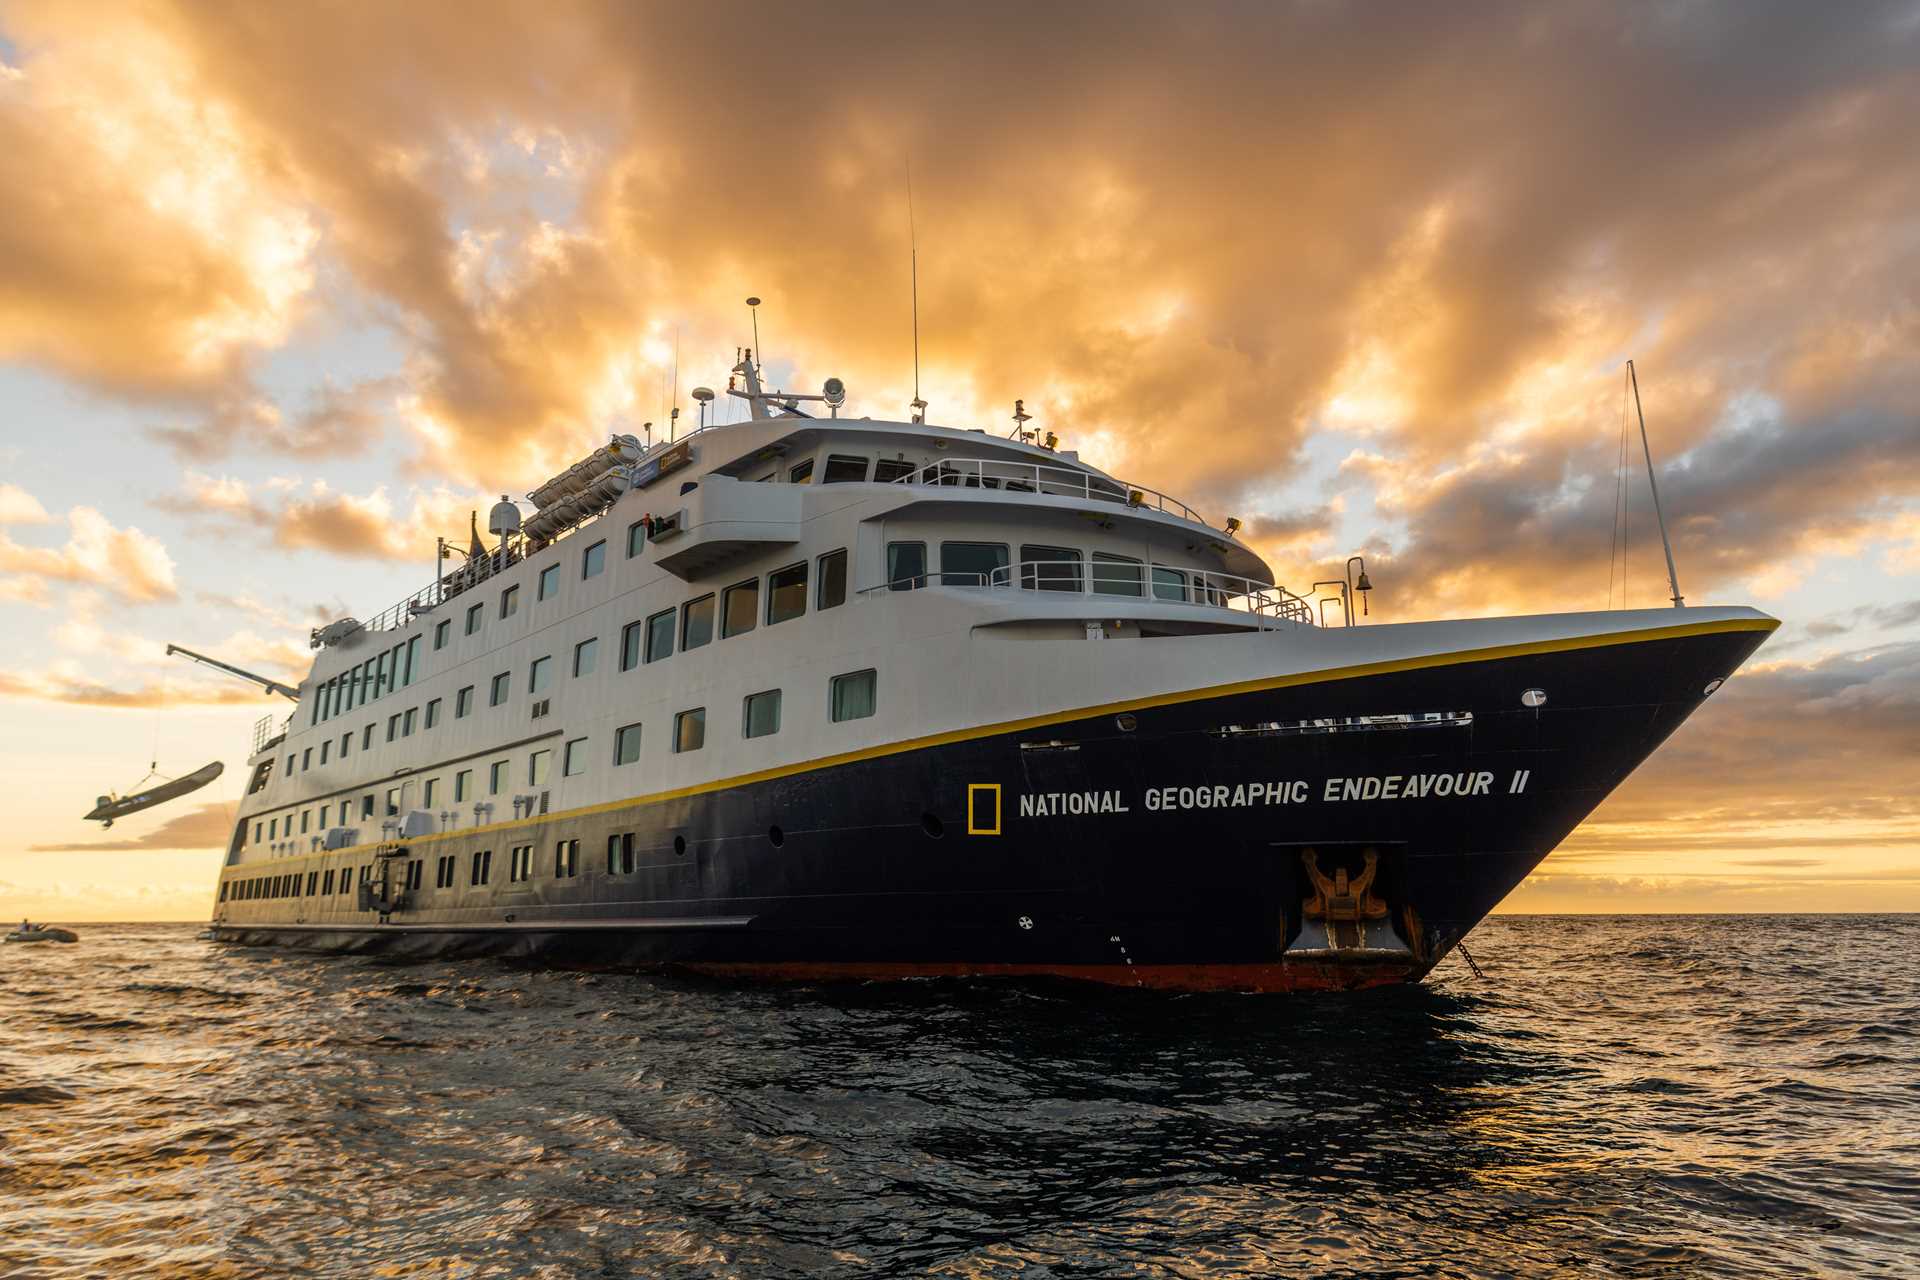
127 562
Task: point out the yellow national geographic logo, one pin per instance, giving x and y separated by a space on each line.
983 808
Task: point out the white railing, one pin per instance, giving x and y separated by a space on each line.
468 575
1010 476
1109 580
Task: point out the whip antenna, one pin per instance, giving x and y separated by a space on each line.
919 406
1673 578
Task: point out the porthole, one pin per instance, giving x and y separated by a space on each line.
775 836
1125 722
1711 686
931 824
680 845
1534 698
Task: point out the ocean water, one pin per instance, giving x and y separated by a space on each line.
1684 1096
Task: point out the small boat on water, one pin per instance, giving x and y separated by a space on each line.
41 933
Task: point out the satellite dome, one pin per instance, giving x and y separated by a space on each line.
504 518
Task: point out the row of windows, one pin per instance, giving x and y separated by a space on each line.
1042 568
289 884
846 468
849 697
520 869
391 669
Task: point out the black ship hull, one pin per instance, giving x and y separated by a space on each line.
1174 843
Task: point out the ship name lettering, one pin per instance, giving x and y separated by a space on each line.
1412 786
1051 804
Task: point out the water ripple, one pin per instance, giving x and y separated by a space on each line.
1628 1097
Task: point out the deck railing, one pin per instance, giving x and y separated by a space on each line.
1117 581
1010 476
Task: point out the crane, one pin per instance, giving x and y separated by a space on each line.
271 686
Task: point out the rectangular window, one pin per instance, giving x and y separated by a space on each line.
366 805
290 760
540 675
696 623
475 615
1169 584
972 564
482 866
660 636
853 696
496 777
502 685
326 881
313 883
393 726
1118 575
426 792
620 853
742 608
462 702
408 721
306 816
887 470
626 746
636 538
832 590
441 630
257 829
906 565
1050 568
325 748
306 759
586 656
539 765
443 872
273 828
566 859
844 469
593 559
393 802
787 593
412 671
574 761
801 473
690 730
632 637
519 863
433 712
462 785
383 674
549 582
346 742
366 738
761 715
510 601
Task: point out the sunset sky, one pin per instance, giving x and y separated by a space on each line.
287 290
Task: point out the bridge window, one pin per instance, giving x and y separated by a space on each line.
761 715
660 636
887 470
972 564
852 696
742 608
1117 575
1050 568
832 590
844 469
787 593
696 623
690 730
906 565
593 559
801 472
1169 584
626 744
586 656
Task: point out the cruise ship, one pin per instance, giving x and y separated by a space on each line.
811 697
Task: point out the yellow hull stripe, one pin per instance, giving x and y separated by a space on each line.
1326 675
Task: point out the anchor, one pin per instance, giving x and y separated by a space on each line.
1345 906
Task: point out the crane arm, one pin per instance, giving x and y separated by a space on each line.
271 686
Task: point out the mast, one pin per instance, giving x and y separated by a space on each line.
1673 578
